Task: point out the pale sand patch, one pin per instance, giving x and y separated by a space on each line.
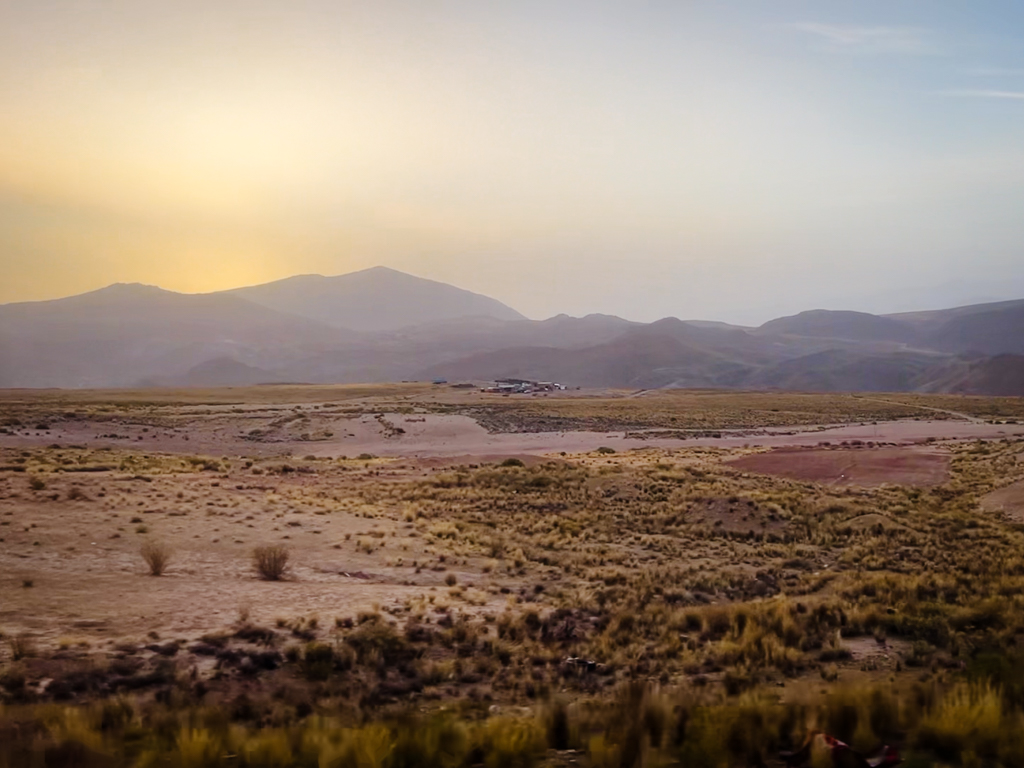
452 435
447 435
1008 501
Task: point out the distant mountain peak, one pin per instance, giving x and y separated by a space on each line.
120 293
130 288
669 322
374 299
840 324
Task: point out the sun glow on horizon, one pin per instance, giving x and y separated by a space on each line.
654 159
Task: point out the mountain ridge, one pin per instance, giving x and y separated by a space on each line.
130 334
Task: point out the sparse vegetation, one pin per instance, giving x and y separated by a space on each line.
157 556
21 646
77 494
699 412
271 561
515 605
639 724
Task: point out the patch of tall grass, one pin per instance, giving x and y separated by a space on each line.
962 723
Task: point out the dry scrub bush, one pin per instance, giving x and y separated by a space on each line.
21 647
77 494
270 562
635 725
156 555
967 718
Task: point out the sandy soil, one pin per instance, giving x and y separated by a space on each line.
81 556
918 466
1008 501
88 580
433 435
230 431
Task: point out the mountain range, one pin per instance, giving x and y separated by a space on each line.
382 325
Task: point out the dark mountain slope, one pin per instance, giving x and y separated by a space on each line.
850 326
643 358
930 320
219 372
991 333
463 336
1000 375
841 370
124 333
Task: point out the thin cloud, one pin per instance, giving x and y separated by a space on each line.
994 72
851 38
986 94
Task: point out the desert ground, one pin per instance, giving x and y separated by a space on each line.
417 421
502 553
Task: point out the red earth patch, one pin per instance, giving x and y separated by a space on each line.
860 466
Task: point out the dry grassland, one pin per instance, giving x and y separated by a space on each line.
684 410
602 608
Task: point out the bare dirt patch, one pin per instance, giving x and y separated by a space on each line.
1008 501
419 421
737 516
70 544
865 467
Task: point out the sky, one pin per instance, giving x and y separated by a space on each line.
730 161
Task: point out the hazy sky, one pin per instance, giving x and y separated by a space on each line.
695 158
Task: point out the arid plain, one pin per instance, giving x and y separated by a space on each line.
447 545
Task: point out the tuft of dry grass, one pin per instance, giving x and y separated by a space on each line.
270 562
22 647
244 612
157 555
